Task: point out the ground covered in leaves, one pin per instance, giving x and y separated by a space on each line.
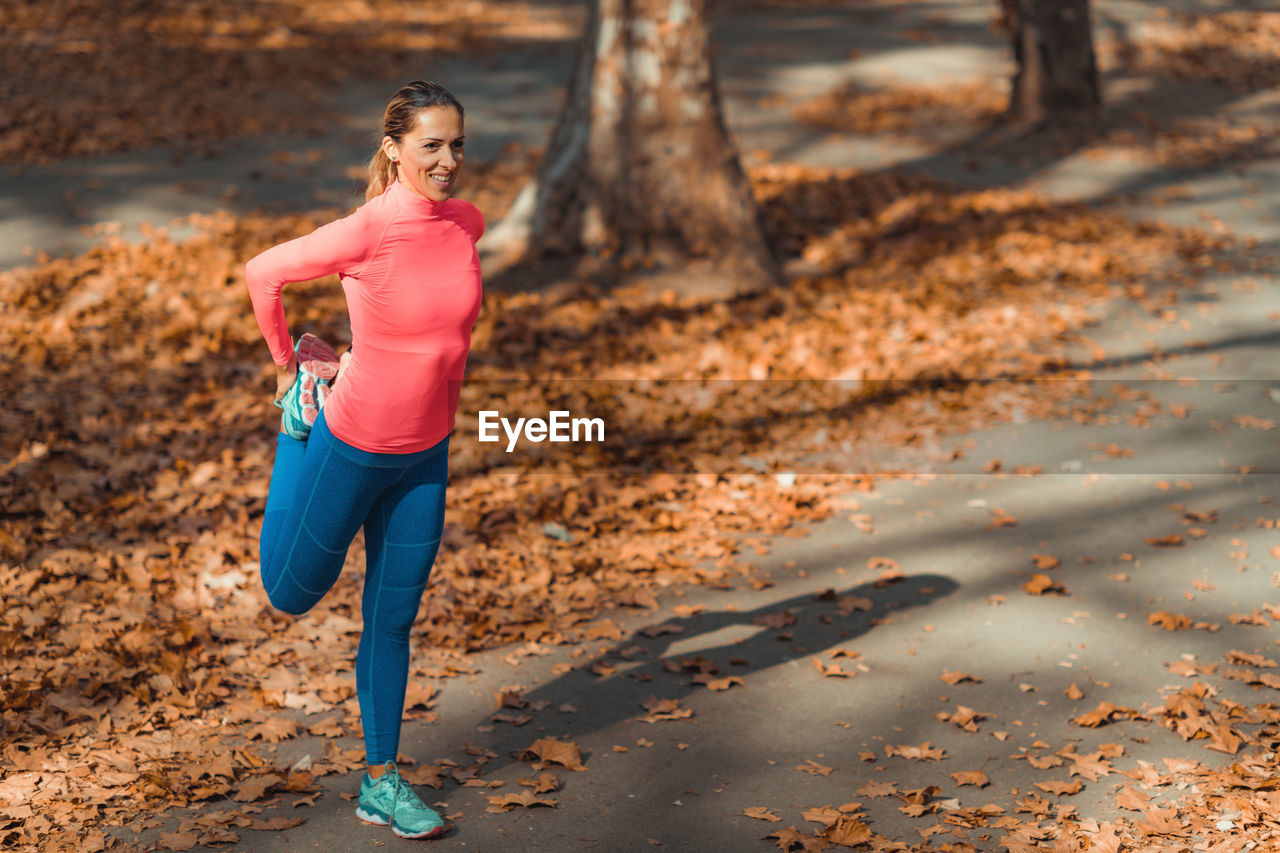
139 654
142 668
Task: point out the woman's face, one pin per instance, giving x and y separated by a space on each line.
429 157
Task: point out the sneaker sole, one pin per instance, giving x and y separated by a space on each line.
317 366
371 817
317 358
431 833
378 820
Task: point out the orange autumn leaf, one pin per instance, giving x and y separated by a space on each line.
507 802
550 750
813 768
177 840
1105 713
664 709
971 777
256 787
955 676
761 813
963 717
1250 659
1045 561
545 783
789 838
1041 584
1169 621
1061 788
1132 799
824 815
848 832
832 670
923 752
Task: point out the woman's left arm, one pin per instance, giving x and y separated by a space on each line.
339 246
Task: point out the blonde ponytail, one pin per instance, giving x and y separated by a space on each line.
381 173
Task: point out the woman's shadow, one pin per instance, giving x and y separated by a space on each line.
638 675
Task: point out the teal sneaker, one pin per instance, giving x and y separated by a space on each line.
317 366
389 799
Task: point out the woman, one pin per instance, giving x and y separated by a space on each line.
372 449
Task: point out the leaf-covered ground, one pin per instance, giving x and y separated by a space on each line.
142 667
139 444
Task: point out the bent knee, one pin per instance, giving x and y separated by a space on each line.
290 602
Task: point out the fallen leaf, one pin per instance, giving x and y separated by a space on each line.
1132 799
971 777
177 840
824 815
761 813
1061 788
1106 712
507 802
956 677
813 768
545 783
848 832
255 787
564 753
1042 584
923 752
1169 621
664 709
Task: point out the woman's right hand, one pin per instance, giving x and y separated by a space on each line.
286 375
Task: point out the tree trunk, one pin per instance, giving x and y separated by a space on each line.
640 170
1057 76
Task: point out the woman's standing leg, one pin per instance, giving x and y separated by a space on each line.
402 536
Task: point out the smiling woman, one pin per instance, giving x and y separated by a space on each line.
365 440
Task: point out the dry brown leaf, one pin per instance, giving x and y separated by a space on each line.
761 813
255 787
1106 712
1169 621
956 677
1045 561
1042 584
1061 788
813 768
1132 799
848 832
664 709
971 777
545 783
507 802
923 752
564 753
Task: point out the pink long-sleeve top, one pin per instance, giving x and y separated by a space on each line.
411 274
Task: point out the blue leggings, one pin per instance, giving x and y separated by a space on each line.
322 491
